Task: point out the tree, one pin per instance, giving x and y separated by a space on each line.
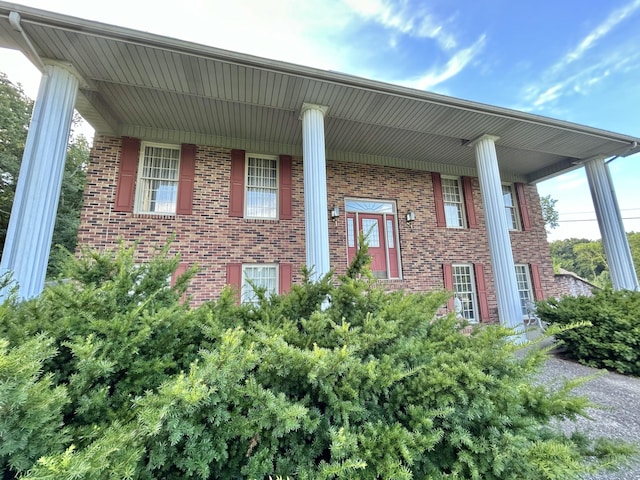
590 259
549 213
563 255
586 258
15 113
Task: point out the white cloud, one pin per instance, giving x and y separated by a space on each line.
578 73
548 95
454 66
582 80
600 31
406 18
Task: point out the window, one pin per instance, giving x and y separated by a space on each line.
464 289
525 291
262 187
453 202
511 207
453 199
258 276
377 221
155 178
158 175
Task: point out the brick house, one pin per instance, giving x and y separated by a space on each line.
259 167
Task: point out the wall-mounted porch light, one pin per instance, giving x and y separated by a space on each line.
411 217
335 214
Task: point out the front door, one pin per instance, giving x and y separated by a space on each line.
380 235
371 227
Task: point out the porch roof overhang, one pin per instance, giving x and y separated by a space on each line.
157 88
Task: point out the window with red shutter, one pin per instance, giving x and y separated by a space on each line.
155 178
261 186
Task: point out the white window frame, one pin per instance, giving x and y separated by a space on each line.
247 188
459 205
468 296
141 180
247 292
525 288
512 211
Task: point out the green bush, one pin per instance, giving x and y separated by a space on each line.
327 382
30 406
611 341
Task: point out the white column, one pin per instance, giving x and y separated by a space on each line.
504 273
614 239
33 215
315 189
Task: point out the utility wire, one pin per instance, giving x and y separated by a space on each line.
595 219
591 211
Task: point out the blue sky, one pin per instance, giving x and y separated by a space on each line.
573 60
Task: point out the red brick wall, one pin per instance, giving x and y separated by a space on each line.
212 239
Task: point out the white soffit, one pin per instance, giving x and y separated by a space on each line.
137 82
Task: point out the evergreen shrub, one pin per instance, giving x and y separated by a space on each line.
611 341
110 375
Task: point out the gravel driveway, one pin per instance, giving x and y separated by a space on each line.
620 416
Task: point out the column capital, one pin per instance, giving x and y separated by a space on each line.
312 106
484 136
596 158
68 67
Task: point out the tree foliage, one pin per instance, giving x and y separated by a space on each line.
586 258
335 380
550 214
15 114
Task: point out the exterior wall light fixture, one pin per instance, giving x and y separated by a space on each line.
411 217
335 214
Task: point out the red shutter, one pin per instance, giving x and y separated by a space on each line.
467 188
522 203
129 156
538 293
437 196
182 267
481 286
285 277
447 274
234 277
236 194
286 184
187 176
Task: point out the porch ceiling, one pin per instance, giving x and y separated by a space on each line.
135 83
